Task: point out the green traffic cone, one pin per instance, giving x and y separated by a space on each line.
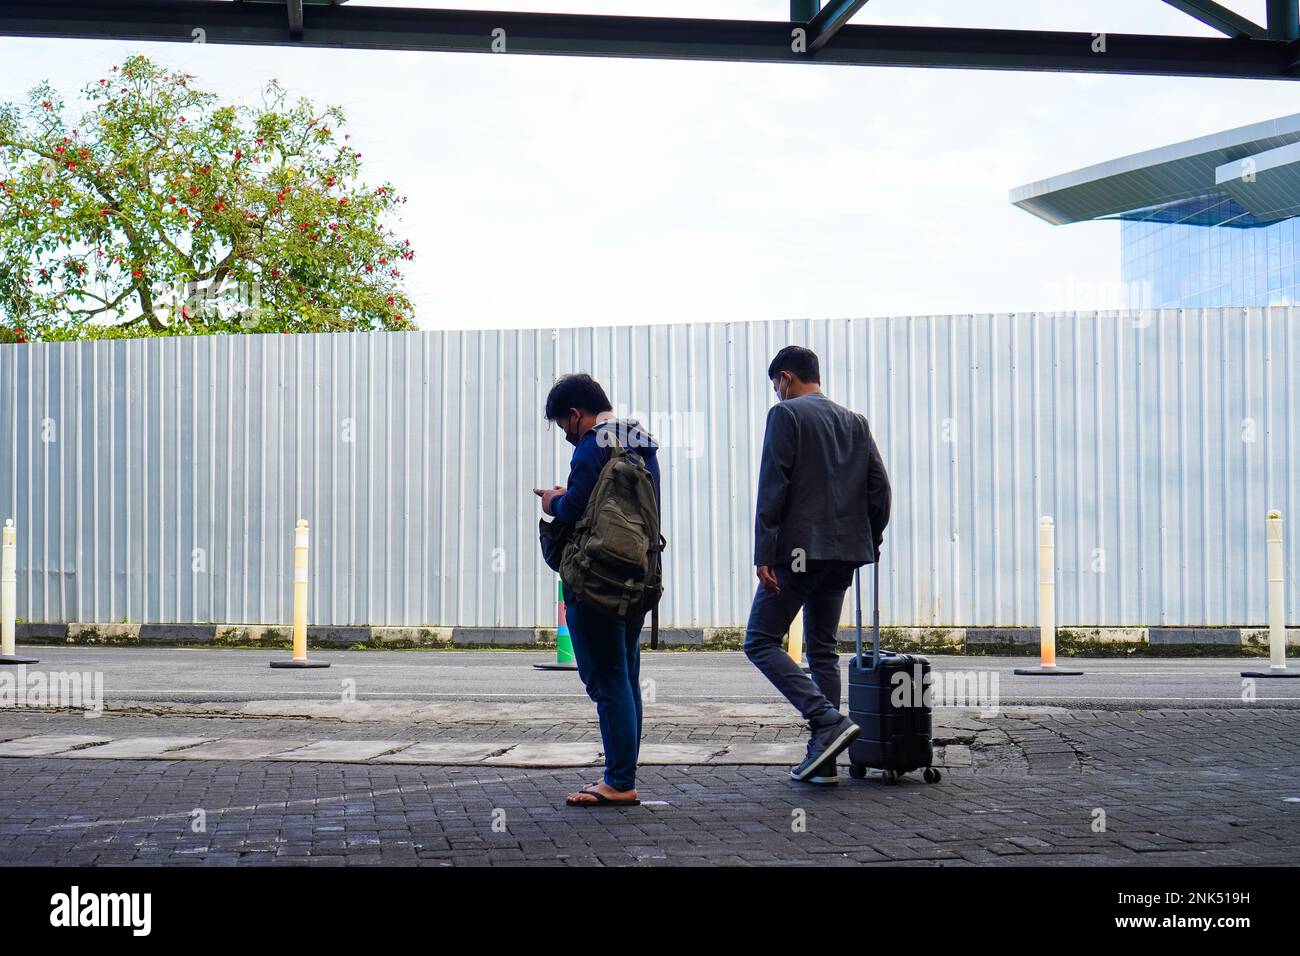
564 659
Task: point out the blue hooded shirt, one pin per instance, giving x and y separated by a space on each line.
590 456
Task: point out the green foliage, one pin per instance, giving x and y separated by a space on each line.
164 212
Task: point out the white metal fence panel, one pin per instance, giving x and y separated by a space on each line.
158 480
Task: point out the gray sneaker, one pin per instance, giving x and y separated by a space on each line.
825 775
826 744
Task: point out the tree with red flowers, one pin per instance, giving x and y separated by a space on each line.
164 212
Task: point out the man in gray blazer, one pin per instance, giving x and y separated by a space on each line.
823 503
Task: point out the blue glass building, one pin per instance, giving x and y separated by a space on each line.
1208 222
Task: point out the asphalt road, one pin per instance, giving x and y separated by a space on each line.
194 675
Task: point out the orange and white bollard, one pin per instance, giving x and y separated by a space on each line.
9 595
794 643
1276 602
1047 606
300 547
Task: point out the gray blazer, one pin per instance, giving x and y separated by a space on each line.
822 486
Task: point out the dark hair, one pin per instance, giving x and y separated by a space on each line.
576 390
799 362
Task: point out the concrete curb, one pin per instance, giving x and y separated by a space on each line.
975 641
489 753
541 754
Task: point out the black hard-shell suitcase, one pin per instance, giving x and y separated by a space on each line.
889 698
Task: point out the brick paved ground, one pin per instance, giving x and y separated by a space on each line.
1176 787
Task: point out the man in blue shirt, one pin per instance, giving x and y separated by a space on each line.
608 649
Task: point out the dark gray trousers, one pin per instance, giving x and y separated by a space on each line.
819 591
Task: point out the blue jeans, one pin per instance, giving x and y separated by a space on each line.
819 591
608 651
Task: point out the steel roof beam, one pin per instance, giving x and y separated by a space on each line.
390 28
1219 17
829 20
1283 19
295 18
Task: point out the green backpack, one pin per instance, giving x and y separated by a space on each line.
613 561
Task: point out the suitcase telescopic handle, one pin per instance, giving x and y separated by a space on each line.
875 614
857 615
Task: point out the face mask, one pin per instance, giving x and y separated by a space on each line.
572 436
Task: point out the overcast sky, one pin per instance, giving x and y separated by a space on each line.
548 191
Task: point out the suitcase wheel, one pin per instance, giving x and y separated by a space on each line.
858 771
932 775
890 776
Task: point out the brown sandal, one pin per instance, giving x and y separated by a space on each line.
600 801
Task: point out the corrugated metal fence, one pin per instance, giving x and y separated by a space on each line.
158 480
